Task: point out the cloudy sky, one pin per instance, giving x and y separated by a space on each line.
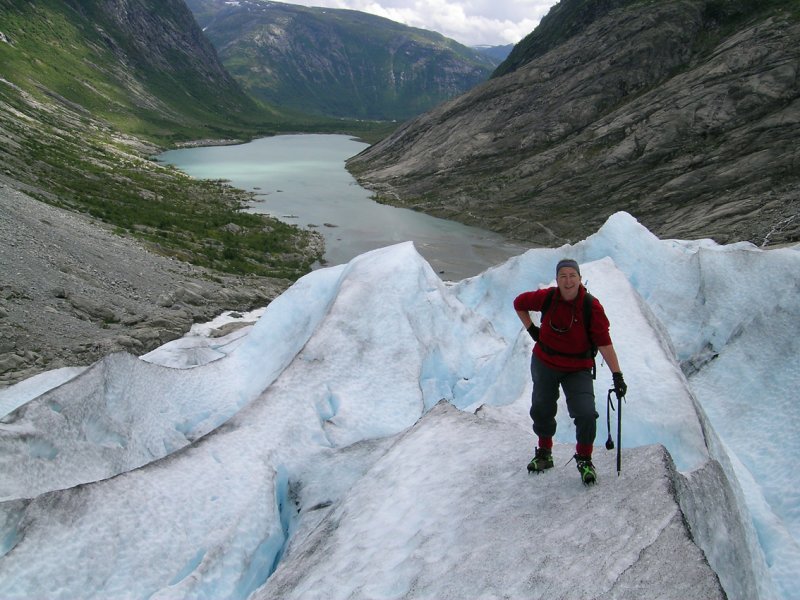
471 22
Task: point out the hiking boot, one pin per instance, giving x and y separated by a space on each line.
586 469
543 459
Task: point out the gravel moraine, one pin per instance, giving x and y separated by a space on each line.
72 291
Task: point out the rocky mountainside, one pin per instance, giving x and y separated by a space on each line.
341 63
685 113
565 20
101 248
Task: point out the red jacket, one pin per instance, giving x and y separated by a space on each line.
574 339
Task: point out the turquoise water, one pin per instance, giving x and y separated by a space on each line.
301 179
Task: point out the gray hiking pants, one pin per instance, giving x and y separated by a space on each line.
578 389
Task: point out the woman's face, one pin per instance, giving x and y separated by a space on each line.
569 282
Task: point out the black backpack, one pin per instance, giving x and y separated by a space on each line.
588 299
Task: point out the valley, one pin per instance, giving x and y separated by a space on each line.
683 113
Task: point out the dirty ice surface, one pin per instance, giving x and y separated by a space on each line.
314 442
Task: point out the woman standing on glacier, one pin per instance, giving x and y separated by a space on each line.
574 325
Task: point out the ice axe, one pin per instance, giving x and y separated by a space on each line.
609 441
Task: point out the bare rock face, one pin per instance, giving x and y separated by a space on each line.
660 109
163 35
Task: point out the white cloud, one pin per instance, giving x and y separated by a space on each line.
471 22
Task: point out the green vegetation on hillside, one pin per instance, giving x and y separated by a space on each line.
75 88
90 169
55 51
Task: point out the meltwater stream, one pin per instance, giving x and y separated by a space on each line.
301 179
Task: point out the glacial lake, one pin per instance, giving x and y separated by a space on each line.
301 179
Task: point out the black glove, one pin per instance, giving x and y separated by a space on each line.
620 387
534 331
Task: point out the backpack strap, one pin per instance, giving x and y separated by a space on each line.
547 301
588 300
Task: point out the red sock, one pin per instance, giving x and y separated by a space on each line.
546 443
584 449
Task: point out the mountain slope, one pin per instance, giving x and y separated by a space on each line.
338 62
82 79
87 91
563 21
136 63
682 113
